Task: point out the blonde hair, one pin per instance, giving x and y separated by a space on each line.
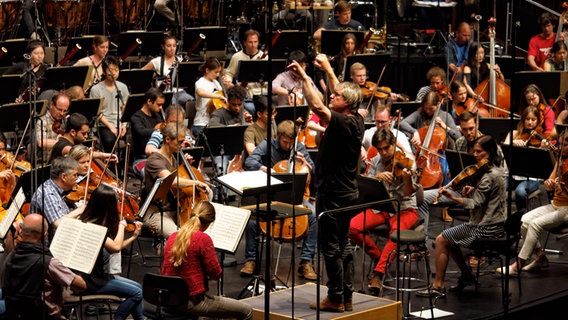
200 217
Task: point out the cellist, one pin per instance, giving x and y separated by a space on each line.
476 70
159 165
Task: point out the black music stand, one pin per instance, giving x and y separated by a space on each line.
406 108
214 44
196 153
457 161
86 43
288 41
16 115
167 101
30 180
373 63
151 43
90 108
498 128
10 85
15 51
219 141
134 102
137 80
277 66
331 40
253 71
61 78
188 74
292 113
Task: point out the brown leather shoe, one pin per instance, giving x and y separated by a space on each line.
306 270
328 305
375 285
248 269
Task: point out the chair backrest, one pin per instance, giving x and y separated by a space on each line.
165 291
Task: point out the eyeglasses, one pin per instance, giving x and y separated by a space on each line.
64 111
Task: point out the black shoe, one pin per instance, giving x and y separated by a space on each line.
432 292
463 282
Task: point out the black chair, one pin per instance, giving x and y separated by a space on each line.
165 297
495 248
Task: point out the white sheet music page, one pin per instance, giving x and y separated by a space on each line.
247 179
228 227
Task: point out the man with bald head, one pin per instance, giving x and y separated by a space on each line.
46 137
33 278
456 49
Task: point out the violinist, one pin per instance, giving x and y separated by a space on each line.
114 94
533 97
484 195
281 148
5 173
458 93
544 218
557 57
358 74
206 88
47 128
143 122
159 165
34 55
100 50
48 199
437 78
288 84
396 173
423 117
163 67
476 70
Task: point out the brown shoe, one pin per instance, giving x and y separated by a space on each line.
306 270
248 269
328 305
375 285
348 305
445 216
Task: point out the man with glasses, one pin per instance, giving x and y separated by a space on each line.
47 127
49 198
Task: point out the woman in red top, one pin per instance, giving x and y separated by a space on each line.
190 254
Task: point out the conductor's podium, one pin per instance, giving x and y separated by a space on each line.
365 307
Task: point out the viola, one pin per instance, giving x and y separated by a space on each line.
371 90
57 127
442 91
398 162
468 174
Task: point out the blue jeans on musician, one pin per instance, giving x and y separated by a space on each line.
181 97
248 104
308 247
131 291
522 191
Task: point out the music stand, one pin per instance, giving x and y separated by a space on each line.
167 100
15 51
457 161
214 43
298 181
523 161
496 127
86 43
134 102
14 205
373 63
331 40
137 80
61 78
30 180
188 74
18 114
406 108
196 153
288 41
90 108
151 43
276 67
253 71
10 85
219 141
292 113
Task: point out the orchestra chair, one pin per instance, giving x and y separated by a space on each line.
74 302
496 248
559 232
165 297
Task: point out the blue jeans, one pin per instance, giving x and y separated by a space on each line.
308 247
521 194
248 104
131 291
181 97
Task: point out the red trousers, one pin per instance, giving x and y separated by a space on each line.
408 218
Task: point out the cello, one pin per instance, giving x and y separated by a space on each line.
189 196
428 160
499 94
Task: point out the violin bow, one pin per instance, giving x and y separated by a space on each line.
375 89
20 144
123 189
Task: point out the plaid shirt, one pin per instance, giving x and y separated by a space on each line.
49 201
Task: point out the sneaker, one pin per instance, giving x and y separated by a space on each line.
538 264
435 293
512 271
348 305
328 305
375 285
306 270
248 268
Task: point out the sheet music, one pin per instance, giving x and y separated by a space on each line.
228 227
77 244
247 179
12 212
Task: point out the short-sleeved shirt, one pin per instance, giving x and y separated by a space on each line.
539 48
351 25
110 110
142 127
201 114
48 200
157 163
58 277
57 150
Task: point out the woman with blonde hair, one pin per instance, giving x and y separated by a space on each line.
190 254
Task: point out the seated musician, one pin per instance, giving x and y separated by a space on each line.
401 185
288 84
34 55
281 147
7 176
174 114
114 94
48 200
190 254
47 128
348 47
76 131
257 131
358 74
543 218
159 165
250 51
485 197
557 58
456 49
143 123
437 78
206 88
540 44
527 134
533 97
95 61
343 21
25 281
165 78
458 94
476 69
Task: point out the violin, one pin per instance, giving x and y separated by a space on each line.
534 138
58 127
468 174
397 163
442 91
371 90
